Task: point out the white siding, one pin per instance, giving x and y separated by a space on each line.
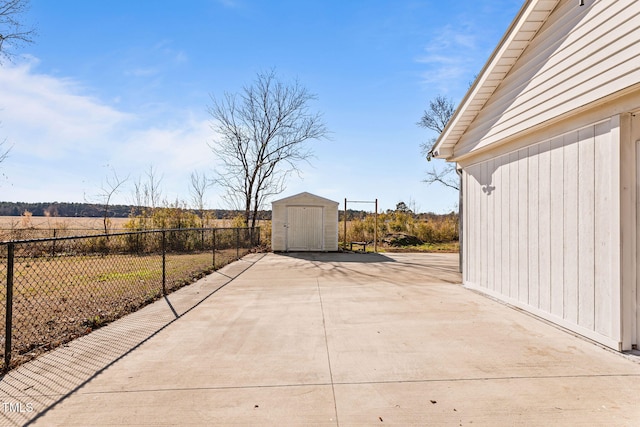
586 227
278 227
549 229
534 226
544 232
304 228
580 55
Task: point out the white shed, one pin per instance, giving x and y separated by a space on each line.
547 139
304 222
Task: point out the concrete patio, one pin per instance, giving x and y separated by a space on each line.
326 339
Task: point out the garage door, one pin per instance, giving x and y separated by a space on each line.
304 228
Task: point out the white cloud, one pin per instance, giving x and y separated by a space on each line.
63 138
49 117
452 57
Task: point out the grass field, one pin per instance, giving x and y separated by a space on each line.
43 222
30 227
85 283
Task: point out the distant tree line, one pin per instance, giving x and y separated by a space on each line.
93 210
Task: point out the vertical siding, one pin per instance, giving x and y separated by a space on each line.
556 197
503 265
305 228
484 217
602 230
476 238
570 227
534 226
586 227
523 226
278 230
496 196
513 225
544 218
491 245
540 225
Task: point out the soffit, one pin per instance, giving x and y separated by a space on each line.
532 16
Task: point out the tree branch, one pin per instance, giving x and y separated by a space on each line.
447 176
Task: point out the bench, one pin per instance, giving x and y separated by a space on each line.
363 244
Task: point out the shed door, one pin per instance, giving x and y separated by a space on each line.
304 228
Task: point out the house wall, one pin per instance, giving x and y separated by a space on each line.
579 56
543 228
279 220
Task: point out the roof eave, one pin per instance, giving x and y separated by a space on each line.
444 147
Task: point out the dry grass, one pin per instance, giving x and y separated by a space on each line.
57 299
24 228
437 234
63 289
43 222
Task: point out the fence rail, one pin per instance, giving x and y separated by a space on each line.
58 289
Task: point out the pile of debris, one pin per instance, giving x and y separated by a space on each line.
401 239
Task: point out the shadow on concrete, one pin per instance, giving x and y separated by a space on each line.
33 389
361 258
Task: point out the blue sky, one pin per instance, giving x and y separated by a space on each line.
125 85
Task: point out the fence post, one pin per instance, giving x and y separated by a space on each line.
53 244
164 262
237 243
9 310
214 248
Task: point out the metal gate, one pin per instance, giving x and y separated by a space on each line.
305 228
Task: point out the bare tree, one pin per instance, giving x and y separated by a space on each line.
152 188
4 152
198 187
260 138
108 189
12 31
146 190
438 114
435 118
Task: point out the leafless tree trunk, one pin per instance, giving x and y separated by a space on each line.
260 136
147 193
12 31
109 188
198 187
152 189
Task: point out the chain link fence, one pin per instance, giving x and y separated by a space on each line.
33 233
57 289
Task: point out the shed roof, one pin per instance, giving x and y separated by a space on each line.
304 194
532 16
